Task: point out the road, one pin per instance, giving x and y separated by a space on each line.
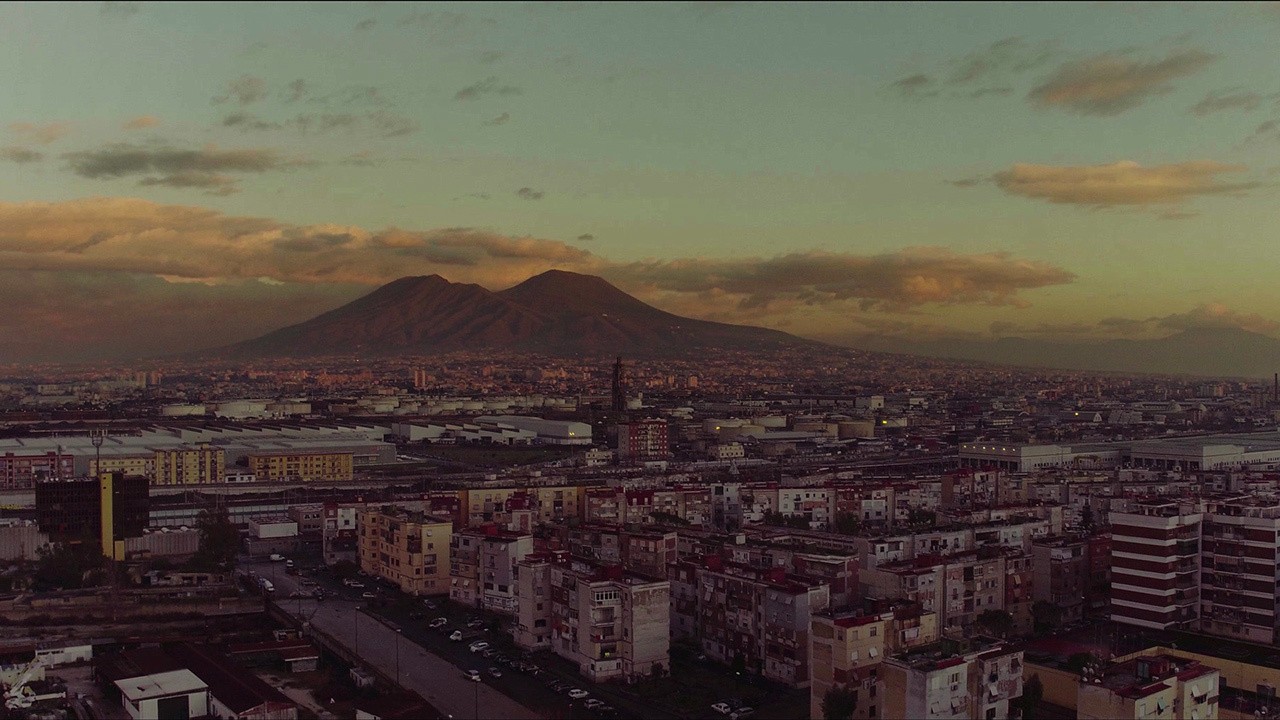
436 679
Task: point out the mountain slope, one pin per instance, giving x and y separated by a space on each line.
557 312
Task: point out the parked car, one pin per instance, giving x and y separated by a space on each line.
438 623
722 708
473 675
474 624
275 557
577 694
742 712
592 703
456 635
495 672
368 595
478 646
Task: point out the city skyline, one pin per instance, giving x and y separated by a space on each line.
1063 172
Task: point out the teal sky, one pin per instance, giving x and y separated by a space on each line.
833 170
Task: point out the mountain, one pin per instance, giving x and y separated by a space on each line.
555 313
1214 352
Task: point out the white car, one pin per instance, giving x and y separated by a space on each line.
722 708
473 675
438 623
577 694
456 635
478 646
276 557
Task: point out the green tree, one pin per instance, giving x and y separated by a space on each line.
68 566
219 541
839 703
997 622
847 524
1045 615
344 569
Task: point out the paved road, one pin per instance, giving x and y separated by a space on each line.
436 679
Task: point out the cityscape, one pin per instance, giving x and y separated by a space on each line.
684 361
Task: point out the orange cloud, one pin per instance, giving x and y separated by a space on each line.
1109 83
1120 183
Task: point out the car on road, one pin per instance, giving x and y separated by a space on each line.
276 557
474 624
288 563
368 595
438 623
592 703
577 694
476 647
456 635
722 708
473 675
495 672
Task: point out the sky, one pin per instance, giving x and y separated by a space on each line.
185 175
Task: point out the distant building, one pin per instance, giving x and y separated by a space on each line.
20 470
189 465
1155 565
315 466
643 440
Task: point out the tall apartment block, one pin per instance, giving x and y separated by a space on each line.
1155 564
410 549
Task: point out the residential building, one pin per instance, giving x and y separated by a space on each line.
1060 574
1240 568
643 440
21 470
410 549
949 681
500 552
290 466
464 566
1155 564
189 465
1147 688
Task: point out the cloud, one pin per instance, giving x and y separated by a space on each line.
120 9
129 235
586 237
1007 56
915 86
528 193
1266 130
1222 100
391 125
176 167
43 134
488 86
1217 315
366 24
380 123
502 119
244 90
20 155
437 21
1121 183
142 122
363 158
295 91
489 57
892 281
1110 83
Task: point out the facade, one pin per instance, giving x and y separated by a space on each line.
464 566
943 681
1061 575
1239 568
499 554
339 536
69 510
322 466
21 470
1155 565
189 465
643 440
143 464
409 549
612 625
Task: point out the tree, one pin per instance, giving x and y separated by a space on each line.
1045 615
68 566
839 703
1078 661
344 569
219 540
847 524
998 622
1086 517
1032 694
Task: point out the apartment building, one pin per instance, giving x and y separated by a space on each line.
188 465
464 565
1240 571
848 645
21 470
947 682
288 466
758 620
958 587
643 440
339 534
611 624
1061 574
499 553
410 549
1155 564
1149 687
142 464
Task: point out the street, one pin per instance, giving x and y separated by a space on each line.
436 679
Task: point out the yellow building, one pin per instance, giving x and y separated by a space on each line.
1150 686
410 549
556 504
328 466
846 649
143 464
188 465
